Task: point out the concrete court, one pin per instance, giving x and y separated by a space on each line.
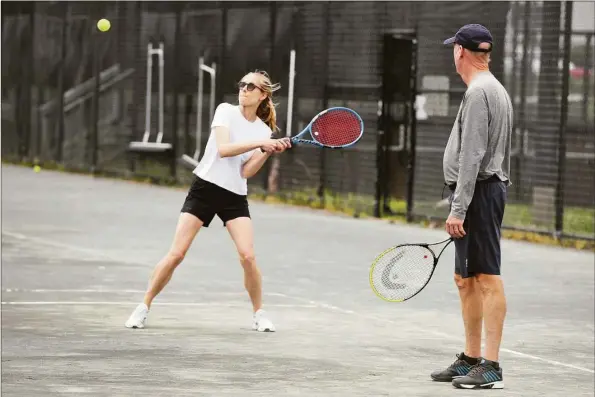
77 252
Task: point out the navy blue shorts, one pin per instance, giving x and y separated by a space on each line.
479 251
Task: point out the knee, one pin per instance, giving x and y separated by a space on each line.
489 283
176 257
462 283
247 259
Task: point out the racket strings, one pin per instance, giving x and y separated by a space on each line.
337 128
401 273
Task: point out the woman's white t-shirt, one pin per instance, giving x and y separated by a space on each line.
226 172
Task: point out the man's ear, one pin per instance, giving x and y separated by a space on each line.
460 52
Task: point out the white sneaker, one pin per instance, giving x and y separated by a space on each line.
261 323
138 318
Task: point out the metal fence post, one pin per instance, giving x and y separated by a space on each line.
60 109
413 131
559 225
179 8
273 39
325 95
94 130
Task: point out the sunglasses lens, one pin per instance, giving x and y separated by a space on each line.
249 86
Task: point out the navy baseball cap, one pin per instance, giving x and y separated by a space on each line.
471 36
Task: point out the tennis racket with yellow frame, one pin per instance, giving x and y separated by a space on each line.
403 271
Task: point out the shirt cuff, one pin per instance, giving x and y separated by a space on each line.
459 214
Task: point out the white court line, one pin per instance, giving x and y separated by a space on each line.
117 291
547 360
122 303
437 333
310 302
87 251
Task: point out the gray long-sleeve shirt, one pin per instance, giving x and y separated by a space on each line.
479 143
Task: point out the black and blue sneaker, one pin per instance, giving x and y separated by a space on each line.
460 367
485 375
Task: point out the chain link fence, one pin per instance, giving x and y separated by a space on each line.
76 97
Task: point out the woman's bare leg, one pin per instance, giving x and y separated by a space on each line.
242 234
187 228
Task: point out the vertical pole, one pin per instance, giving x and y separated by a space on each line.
379 151
586 75
380 132
325 95
136 77
23 88
95 111
384 105
187 114
60 111
161 75
525 62
199 106
413 130
222 51
275 176
290 93
148 92
28 84
563 119
35 143
120 54
176 88
272 36
516 23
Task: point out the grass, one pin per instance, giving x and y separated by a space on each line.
577 221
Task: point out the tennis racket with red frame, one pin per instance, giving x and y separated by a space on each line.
333 128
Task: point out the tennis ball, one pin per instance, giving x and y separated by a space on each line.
37 168
103 25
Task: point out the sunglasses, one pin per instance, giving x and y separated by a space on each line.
249 86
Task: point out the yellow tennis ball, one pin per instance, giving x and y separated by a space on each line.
37 168
103 25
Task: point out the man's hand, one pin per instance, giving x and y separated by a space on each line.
454 227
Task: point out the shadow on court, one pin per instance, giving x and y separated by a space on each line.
77 253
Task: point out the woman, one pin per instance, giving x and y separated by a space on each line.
238 146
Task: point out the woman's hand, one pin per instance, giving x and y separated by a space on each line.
283 144
276 145
270 146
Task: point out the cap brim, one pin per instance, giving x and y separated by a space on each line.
449 41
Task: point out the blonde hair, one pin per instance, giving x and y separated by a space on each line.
266 110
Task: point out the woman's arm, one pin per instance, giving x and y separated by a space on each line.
257 160
254 164
227 149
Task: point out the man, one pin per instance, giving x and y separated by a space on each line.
476 169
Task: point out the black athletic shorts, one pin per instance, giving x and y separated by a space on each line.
479 250
205 200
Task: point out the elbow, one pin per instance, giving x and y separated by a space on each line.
246 173
222 152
